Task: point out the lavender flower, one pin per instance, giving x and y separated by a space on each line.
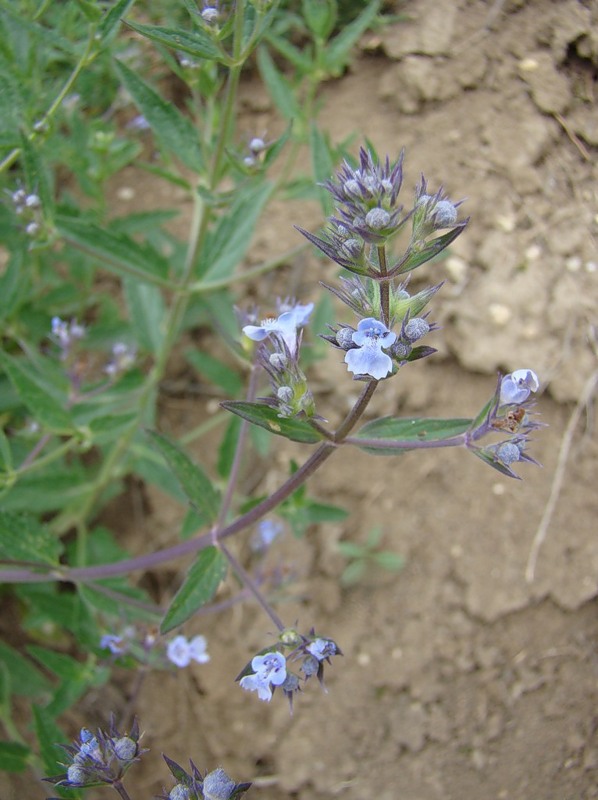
286 326
517 386
100 758
181 652
268 670
367 358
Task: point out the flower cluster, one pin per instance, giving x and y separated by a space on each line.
508 414
100 758
215 785
29 208
367 216
270 668
280 339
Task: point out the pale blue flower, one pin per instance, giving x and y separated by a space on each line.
198 649
178 652
368 359
517 386
182 652
112 642
286 326
322 648
269 670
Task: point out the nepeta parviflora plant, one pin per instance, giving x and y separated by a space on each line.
94 305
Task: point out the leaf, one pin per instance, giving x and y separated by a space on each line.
215 371
339 51
174 132
278 86
322 164
194 482
113 17
23 538
116 252
146 312
231 239
415 258
320 16
14 756
48 735
197 43
13 285
266 417
406 430
199 587
36 176
228 447
46 410
25 679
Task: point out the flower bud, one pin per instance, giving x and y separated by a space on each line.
125 749
415 329
508 453
377 219
344 338
286 394
179 792
217 785
76 774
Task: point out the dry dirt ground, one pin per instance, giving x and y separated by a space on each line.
461 680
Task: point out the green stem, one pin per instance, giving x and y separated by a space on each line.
384 287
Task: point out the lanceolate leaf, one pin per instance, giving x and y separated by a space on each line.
116 252
196 43
113 17
406 430
199 587
47 411
194 482
232 237
23 538
175 132
266 417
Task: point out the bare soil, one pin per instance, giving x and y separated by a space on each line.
461 679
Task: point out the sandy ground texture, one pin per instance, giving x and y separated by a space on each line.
462 678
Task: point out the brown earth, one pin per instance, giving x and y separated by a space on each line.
461 679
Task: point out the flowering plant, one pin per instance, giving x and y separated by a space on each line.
83 368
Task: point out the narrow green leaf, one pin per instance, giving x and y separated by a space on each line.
416 258
174 132
113 17
13 285
320 16
49 735
199 587
406 430
23 538
36 176
232 237
146 312
116 252
14 756
194 482
24 678
215 371
108 428
63 666
196 43
339 51
46 410
279 87
266 417
228 447
322 164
